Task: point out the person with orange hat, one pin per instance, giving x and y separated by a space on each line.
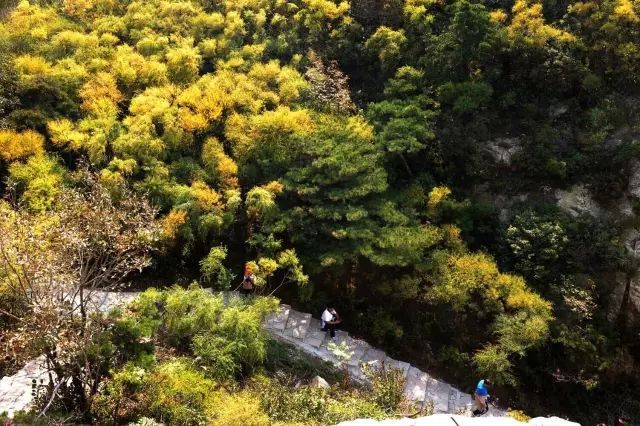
248 281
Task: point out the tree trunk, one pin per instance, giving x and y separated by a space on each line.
406 164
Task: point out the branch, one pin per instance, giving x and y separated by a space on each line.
281 284
53 395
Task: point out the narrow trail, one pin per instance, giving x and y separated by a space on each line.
288 325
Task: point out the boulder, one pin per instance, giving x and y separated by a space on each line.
319 382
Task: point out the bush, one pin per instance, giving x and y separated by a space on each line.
304 404
226 340
284 358
282 403
387 387
351 407
242 409
176 393
117 400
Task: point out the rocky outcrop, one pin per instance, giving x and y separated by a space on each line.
633 189
624 299
503 149
578 201
450 420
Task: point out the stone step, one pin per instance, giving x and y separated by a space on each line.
398 365
341 336
374 357
465 403
297 325
356 346
454 395
315 336
359 348
416 387
438 393
278 320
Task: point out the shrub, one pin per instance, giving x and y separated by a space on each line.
282 403
226 340
518 415
387 387
242 409
351 407
176 393
306 405
284 358
117 402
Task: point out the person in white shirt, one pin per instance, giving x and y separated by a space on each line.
329 321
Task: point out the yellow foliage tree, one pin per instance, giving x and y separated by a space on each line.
14 145
219 164
528 25
100 92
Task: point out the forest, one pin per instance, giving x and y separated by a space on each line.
460 178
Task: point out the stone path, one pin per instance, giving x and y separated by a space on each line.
17 392
303 332
288 325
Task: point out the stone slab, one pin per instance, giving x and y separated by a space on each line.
416 387
278 320
315 336
297 324
438 392
398 365
374 357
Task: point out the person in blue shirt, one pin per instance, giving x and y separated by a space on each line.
480 397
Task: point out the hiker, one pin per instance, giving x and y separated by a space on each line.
248 281
330 319
480 397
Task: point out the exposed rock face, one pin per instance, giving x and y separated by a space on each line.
625 297
451 420
634 181
503 149
631 238
578 201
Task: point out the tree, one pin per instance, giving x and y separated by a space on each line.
405 121
332 199
537 243
52 263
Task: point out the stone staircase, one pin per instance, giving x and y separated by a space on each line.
303 332
287 325
18 391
